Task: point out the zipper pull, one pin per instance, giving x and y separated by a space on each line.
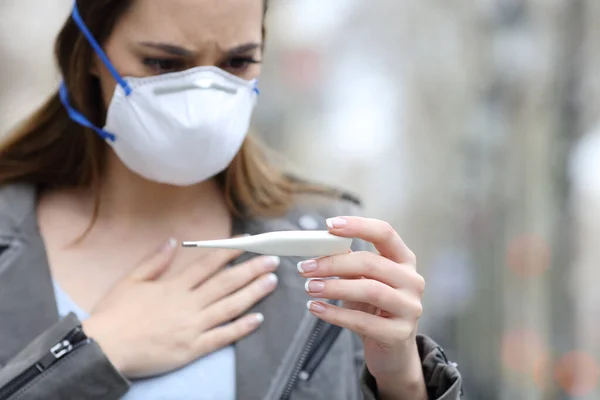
72 341
304 376
58 351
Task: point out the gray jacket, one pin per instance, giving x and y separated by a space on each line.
292 355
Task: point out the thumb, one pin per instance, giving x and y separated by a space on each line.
155 263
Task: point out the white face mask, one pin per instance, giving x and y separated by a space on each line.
179 128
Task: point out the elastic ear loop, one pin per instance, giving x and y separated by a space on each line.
255 88
64 93
98 49
80 118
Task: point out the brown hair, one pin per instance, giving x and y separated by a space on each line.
51 151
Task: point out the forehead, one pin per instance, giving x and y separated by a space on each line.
194 23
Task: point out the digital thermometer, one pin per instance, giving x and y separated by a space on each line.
284 244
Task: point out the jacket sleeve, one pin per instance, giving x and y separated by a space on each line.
442 378
40 371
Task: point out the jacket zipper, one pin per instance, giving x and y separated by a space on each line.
287 392
316 348
321 350
72 341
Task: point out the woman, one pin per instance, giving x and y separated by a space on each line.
111 167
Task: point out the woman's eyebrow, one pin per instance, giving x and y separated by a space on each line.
170 49
176 50
243 48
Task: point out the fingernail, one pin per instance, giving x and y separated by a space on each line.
272 262
335 223
313 286
169 245
305 267
270 282
315 307
257 319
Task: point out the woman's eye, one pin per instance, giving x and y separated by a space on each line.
162 65
240 63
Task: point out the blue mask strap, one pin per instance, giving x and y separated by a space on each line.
256 89
80 118
92 41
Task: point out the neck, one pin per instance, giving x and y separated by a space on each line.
127 197
134 210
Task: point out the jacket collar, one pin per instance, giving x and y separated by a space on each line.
28 307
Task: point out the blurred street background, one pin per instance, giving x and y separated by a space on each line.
473 126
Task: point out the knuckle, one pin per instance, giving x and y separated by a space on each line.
373 292
418 309
250 297
239 329
231 332
326 265
388 231
420 284
412 258
359 325
235 307
370 262
182 345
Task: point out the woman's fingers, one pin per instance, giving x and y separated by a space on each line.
155 263
226 335
197 272
380 233
387 332
369 291
232 279
236 304
365 264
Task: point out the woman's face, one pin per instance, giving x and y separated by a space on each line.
159 36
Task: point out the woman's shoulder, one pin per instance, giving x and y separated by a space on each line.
17 202
326 200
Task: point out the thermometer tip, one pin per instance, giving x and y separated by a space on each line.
189 244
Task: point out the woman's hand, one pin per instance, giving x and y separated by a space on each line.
381 295
150 324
